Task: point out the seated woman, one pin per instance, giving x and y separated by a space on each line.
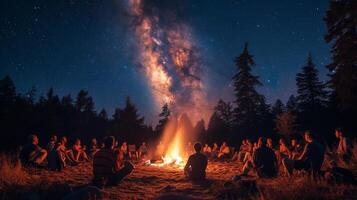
224 151
196 165
32 154
79 152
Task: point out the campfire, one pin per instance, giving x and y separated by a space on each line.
172 146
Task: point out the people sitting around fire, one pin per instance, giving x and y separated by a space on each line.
32 154
223 151
263 162
52 143
79 152
195 168
92 148
143 150
296 149
344 151
207 150
310 160
108 170
244 149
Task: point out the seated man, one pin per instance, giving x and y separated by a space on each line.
344 146
93 148
32 154
106 166
264 161
296 150
143 150
310 160
52 143
207 150
66 155
196 165
224 151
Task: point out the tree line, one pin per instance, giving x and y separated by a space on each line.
318 106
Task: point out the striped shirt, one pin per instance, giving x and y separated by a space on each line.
104 163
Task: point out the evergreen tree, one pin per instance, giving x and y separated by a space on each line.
311 91
291 104
278 107
225 111
163 119
249 103
103 114
341 21
216 128
7 90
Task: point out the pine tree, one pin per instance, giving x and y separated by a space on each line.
248 101
225 111
341 21
163 118
291 104
278 107
311 91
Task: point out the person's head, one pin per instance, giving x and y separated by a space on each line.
198 147
33 139
215 145
308 136
338 132
269 141
124 143
249 142
262 142
53 138
109 142
282 141
224 144
77 142
94 141
294 142
143 143
63 140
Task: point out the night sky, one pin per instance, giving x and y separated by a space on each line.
73 45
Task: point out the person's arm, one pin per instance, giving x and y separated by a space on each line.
188 164
344 145
303 155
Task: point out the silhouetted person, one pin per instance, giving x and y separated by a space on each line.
32 154
107 169
264 160
93 148
344 146
310 160
52 143
196 165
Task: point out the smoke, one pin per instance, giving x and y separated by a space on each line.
168 55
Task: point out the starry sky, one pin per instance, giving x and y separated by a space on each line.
71 45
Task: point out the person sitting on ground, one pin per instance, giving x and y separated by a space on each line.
78 151
93 148
195 168
67 156
310 160
207 150
296 150
264 161
224 151
52 143
344 146
215 150
107 169
284 151
32 154
143 150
